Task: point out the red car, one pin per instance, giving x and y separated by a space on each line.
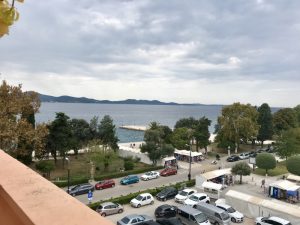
168 172
104 184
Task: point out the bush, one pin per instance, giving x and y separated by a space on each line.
293 165
45 167
127 198
128 165
73 181
265 161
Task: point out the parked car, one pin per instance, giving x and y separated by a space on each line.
80 189
252 154
214 214
165 211
235 216
244 155
168 172
167 193
141 200
131 179
109 208
169 221
184 194
271 220
150 175
134 219
233 158
104 184
196 198
190 216
149 223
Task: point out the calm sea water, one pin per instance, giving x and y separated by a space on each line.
129 115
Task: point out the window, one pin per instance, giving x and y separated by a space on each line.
218 216
148 197
134 221
144 199
183 214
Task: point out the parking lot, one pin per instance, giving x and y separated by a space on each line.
149 211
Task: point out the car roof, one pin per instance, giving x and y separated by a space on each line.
190 209
144 194
278 219
165 206
223 205
131 216
200 194
188 189
107 203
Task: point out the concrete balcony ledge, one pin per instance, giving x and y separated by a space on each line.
26 198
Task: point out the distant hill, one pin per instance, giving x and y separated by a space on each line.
70 99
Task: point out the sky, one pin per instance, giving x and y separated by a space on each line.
195 51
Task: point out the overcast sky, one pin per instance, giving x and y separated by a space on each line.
191 51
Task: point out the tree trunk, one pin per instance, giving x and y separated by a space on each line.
197 145
262 143
240 179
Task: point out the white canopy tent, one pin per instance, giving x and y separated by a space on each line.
285 185
293 177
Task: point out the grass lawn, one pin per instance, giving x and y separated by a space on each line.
80 167
279 170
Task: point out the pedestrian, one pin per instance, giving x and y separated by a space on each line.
90 196
263 183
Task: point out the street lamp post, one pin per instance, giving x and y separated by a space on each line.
68 160
190 162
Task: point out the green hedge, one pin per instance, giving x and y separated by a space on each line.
80 180
126 173
127 198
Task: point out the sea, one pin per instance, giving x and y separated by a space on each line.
129 114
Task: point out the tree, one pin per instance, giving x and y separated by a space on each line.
297 111
292 165
264 120
107 133
238 122
180 138
60 136
265 161
19 136
284 119
8 15
288 143
241 169
155 144
45 167
190 123
81 134
201 133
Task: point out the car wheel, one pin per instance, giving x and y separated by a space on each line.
103 214
233 220
112 185
100 188
207 202
74 195
120 211
152 202
139 205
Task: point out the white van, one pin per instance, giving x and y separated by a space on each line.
216 215
190 216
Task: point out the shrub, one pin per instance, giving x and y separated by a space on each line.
45 167
265 161
128 165
293 165
73 181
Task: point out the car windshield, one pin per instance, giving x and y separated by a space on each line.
139 197
165 191
201 217
224 216
194 198
183 193
231 210
100 207
76 187
125 220
148 173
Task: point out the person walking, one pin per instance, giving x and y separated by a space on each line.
90 196
263 182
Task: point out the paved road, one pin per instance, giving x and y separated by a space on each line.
182 174
149 210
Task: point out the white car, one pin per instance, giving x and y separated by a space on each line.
141 200
235 216
184 194
150 175
244 155
271 220
196 198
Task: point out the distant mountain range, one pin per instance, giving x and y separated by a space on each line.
70 99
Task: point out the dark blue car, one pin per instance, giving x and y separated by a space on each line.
130 179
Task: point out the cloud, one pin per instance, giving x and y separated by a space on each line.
195 51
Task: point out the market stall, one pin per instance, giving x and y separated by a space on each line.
184 155
284 190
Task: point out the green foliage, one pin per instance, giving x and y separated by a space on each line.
265 161
237 121
293 165
265 122
180 138
288 143
297 111
45 167
155 144
107 132
81 134
190 123
284 119
128 163
73 181
201 133
242 169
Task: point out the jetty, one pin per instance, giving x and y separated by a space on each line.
134 127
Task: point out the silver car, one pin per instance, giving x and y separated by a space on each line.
109 208
134 219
